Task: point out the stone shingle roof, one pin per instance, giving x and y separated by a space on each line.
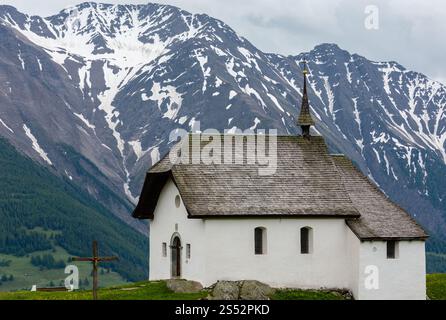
380 217
308 183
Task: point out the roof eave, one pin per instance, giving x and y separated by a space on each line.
270 216
377 238
150 193
384 238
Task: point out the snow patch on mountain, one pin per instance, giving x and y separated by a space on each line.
129 194
22 62
84 120
36 146
169 96
155 155
146 70
256 123
6 126
139 152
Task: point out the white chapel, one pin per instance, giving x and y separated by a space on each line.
316 222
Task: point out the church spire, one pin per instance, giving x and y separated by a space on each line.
305 121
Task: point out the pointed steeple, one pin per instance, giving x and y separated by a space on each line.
305 121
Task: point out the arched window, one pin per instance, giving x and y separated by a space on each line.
260 240
306 240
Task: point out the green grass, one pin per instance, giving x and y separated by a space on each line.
155 290
436 286
288 294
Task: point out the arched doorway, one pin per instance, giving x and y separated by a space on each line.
176 256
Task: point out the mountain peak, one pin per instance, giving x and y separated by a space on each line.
132 73
327 47
7 7
117 8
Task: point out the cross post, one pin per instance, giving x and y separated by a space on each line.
95 260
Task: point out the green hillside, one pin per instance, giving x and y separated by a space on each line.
435 262
25 274
43 213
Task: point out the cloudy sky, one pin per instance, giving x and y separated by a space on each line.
411 32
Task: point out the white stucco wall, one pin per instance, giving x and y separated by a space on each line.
166 217
353 249
230 252
403 278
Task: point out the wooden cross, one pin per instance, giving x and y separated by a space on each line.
95 261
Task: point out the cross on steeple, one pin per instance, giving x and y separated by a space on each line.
305 121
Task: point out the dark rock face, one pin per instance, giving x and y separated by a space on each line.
100 87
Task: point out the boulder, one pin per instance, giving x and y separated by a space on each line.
225 290
241 290
255 290
184 286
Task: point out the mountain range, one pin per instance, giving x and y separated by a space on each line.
93 92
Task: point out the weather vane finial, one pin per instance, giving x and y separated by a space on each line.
305 71
305 121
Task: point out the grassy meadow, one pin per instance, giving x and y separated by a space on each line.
157 290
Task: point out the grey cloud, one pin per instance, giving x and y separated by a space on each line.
411 32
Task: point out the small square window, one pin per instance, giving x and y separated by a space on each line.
164 249
188 251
